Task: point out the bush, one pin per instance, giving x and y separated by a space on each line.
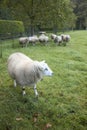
10 28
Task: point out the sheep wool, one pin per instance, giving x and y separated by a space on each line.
25 71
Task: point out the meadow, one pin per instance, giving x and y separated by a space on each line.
62 101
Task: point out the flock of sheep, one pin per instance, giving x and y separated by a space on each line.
27 72
44 39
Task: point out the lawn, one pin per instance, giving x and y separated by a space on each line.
62 101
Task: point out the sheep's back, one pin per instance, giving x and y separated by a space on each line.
15 62
24 73
23 69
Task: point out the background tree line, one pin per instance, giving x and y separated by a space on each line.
80 10
46 14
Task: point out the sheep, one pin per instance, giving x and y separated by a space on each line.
68 38
23 41
25 71
33 39
53 36
58 40
43 38
65 38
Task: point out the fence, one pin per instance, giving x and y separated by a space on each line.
8 41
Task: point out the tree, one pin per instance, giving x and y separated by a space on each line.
41 13
81 13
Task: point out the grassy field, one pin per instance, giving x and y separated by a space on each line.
62 102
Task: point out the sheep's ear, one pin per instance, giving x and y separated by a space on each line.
40 66
43 61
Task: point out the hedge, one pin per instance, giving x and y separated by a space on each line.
11 27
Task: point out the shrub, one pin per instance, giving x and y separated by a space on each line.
10 28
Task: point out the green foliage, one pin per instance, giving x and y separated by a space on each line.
81 13
11 27
40 13
62 101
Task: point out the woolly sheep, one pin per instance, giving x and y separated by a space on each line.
53 36
65 38
23 41
26 71
58 40
33 39
43 38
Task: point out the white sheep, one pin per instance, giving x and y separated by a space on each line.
25 71
33 39
58 40
43 38
53 36
65 38
23 41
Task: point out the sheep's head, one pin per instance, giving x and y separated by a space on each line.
46 69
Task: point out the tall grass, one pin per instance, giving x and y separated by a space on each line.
62 102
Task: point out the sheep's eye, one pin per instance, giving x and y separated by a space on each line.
46 69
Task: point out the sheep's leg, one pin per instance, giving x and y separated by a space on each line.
45 43
35 90
15 84
26 45
23 91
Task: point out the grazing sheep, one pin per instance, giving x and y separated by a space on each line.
33 39
65 38
25 71
58 40
68 38
43 38
23 41
53 36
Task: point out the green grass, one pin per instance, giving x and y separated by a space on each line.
62 102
